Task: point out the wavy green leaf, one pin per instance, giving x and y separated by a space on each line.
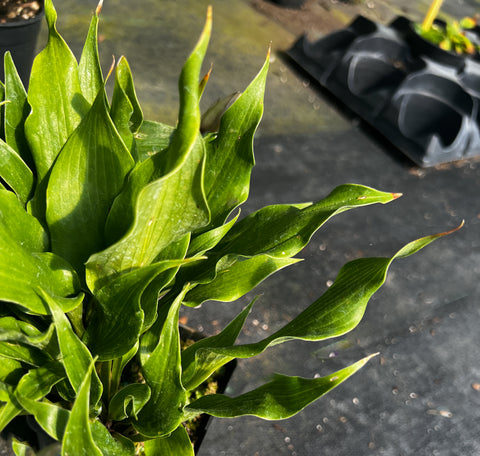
176 444
129 401
52 418
335 313
281 398
164 199
35 384
241 276
117 318
283 230
227 175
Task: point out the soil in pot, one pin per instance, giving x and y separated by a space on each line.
18 10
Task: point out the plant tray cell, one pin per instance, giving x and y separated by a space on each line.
422 99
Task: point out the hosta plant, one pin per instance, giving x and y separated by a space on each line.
110 223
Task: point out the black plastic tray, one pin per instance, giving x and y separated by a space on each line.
423 99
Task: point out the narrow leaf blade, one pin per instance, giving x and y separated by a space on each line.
78 439
279 399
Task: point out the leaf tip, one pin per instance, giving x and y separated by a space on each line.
396 195
99 8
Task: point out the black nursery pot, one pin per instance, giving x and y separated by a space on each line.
20 38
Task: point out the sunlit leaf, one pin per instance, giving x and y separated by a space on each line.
55 97
227 176
125 110
85 179
176 444
281 398
90 71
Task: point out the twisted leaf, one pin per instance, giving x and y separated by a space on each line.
335 313
164 198
227 175
281 398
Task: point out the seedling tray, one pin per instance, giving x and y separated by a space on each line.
423 99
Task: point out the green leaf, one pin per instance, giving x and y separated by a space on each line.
281 398
117 317
162 414
196 371
129 401
75 355
227 175
55 97
335 313
241 276
166 211
78 439
34 385
176 444
21 271
11 372
125 110
21 448
87 176
209 239
151 139
108 445
24 353
19 226
149 205
51 418
17 110
90 71
149 299
283 230
15 173
13 330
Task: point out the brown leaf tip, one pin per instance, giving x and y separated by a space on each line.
396 195
99 8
